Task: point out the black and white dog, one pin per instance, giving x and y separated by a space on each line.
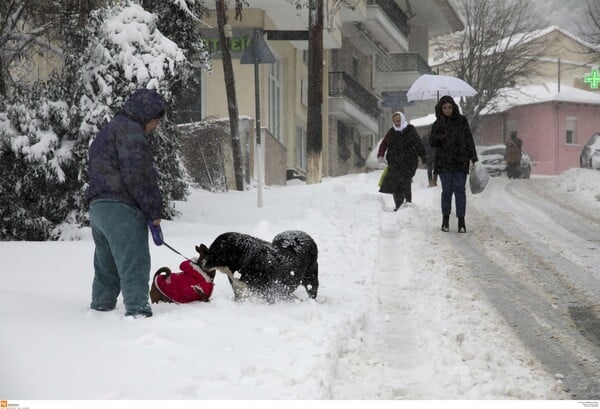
272 271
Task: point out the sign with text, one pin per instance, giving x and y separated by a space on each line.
238 42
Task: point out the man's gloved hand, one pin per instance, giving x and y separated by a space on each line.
156 232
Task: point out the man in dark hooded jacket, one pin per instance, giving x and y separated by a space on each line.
512 156
123 195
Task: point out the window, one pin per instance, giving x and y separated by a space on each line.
345 137
301 148
304 92
355 67
571 131
275 100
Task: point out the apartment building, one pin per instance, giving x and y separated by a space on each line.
373 51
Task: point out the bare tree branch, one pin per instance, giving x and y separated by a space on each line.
28 27
499 47
590 31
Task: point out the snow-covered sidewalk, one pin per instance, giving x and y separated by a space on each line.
396 308
431 333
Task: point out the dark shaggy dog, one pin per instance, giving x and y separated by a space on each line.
272 271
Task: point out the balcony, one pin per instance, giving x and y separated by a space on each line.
383 30
394 12
353 103
281 15
402 63
398 71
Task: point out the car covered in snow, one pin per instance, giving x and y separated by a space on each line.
492 158
590 153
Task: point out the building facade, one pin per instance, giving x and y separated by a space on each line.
372 52
553 111
553 125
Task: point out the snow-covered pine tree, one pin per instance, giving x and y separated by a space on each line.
126 51
39 184
181 21
44 137
37 168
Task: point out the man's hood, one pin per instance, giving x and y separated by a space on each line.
144 105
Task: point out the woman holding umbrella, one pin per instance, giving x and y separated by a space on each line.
455 147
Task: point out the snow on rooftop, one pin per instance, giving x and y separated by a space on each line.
423 121
526 95
508 42
539 93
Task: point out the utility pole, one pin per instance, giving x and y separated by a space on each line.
232 108
314 126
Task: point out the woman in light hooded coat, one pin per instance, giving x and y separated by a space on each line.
401 148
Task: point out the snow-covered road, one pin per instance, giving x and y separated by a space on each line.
544 259
513 303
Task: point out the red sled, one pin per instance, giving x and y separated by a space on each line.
189 285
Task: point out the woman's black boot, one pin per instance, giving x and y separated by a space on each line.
446 223
461 225
398 199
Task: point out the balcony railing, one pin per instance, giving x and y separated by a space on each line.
394 12
402 63
343 85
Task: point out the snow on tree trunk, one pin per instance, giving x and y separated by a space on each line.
314 163
314 127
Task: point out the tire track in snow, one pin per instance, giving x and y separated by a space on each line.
547 292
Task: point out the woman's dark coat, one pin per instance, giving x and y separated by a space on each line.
452 138
403 149
430 151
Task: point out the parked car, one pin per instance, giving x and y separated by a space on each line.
590 154
492 158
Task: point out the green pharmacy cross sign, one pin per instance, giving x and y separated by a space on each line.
593 79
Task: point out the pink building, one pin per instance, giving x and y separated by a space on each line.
553 125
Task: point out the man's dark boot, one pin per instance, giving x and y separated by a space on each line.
445 223
461 225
